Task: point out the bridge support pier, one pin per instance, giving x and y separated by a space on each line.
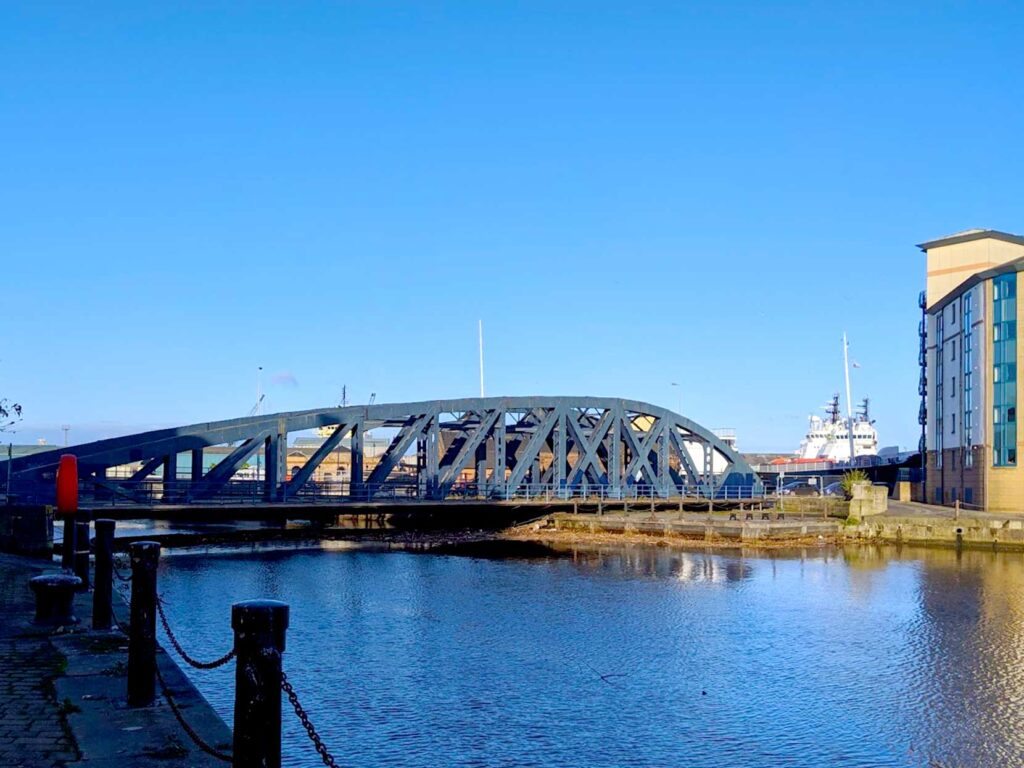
481 468
275 453
356 489
170 476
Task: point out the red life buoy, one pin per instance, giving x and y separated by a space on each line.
67 484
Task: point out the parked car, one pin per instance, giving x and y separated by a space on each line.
798 488
834 489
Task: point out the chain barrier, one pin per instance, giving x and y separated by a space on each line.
318 744
181 651
117 571
286 686
189 730
195 737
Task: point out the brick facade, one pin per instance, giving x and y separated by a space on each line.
955 481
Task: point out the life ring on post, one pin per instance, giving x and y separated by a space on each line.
67 485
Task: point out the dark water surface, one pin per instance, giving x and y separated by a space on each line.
632 656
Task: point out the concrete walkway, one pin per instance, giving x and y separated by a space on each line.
917 509
62 693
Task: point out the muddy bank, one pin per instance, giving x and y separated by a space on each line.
561 538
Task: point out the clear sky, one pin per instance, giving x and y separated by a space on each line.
628 194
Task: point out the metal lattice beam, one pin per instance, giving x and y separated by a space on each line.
505 446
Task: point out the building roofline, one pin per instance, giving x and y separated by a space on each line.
969 235
1017 265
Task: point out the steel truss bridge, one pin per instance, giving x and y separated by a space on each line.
481 448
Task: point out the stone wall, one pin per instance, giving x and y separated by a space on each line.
997 534
868 500
26 530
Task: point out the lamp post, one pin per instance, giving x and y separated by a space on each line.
679 397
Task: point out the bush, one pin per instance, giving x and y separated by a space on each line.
850 478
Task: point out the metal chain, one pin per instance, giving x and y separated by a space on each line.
117 572
318 744
181 651
195 737
189 731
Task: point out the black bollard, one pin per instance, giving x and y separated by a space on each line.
259 642
67 549
104 586
82 549
145 556
55 595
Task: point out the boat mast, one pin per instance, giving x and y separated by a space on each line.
849 400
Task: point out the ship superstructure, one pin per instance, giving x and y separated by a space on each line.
828 438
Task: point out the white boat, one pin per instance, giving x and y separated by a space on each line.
828 438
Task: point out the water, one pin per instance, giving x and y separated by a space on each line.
633 656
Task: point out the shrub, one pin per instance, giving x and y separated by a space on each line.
850 478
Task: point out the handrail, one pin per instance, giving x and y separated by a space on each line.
245 492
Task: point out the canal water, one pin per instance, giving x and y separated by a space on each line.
631 655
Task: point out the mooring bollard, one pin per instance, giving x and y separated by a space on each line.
145 556
55 596
82 549
67 547
104 585
260 627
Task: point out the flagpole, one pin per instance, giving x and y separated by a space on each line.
480 329
849 401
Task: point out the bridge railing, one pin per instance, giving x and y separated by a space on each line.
115 492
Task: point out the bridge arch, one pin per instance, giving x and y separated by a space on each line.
498 447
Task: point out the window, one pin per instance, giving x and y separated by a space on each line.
952 349
952 422
968 388
1004 370
952 386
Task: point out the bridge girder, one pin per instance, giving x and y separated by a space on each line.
496 447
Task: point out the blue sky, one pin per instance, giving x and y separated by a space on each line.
628 195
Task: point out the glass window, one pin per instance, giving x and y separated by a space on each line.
1004 370
967 439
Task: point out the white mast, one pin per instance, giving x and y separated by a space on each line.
259 389
849 401
480 328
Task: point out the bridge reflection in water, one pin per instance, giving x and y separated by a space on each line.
482 448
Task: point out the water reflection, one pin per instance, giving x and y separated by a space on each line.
638 656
